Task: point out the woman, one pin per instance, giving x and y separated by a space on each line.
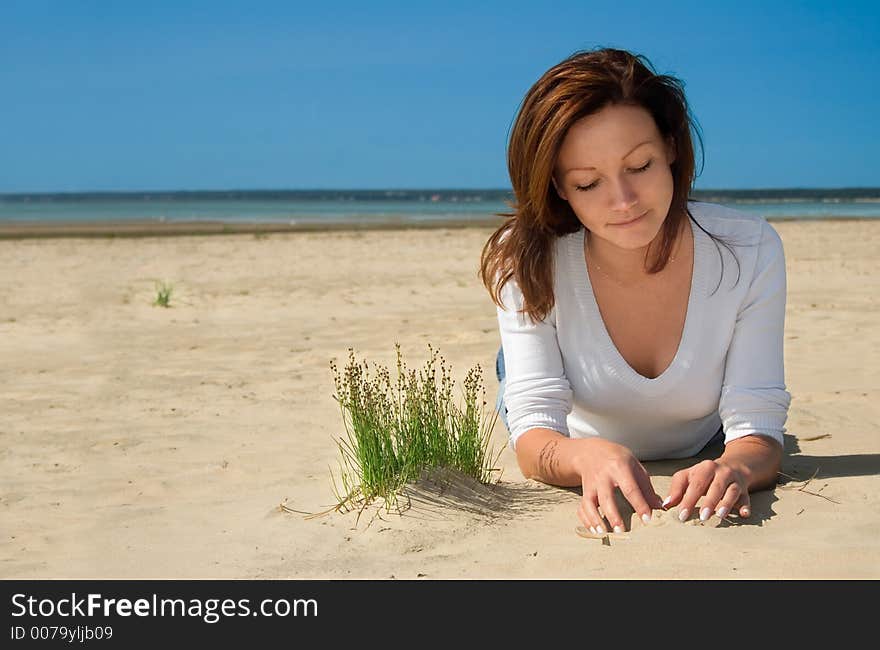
616 348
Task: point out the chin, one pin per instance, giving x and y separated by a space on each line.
639 236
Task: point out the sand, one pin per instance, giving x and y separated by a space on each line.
144 442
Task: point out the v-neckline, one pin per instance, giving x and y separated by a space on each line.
616 364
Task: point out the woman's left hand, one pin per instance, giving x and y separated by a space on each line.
724 488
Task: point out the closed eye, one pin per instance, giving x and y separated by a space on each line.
638 170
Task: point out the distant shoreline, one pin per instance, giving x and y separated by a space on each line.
25 230
183 228
868 194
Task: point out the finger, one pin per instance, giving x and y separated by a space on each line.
587 507
644 481
582 515
744 504
676 489
585 517
591 512
699 479
716 492
609 508
632 492
729 501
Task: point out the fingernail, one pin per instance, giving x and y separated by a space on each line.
722 512
666 501
592 530
600 530
618 529
705 513
646 518
683 515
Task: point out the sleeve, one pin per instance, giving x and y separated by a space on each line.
537 393
753 395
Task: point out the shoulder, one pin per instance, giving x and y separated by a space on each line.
737 227
562 249
726 221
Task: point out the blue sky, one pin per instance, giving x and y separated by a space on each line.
105 95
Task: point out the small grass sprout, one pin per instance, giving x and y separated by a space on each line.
163 294
395 432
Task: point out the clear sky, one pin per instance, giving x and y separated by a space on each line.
104 95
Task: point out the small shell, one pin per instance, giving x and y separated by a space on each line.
585 532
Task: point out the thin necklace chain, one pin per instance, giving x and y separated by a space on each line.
599 268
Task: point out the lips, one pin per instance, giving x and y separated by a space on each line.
624 223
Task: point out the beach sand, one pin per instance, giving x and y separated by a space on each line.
143 442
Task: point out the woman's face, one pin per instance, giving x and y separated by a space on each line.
614 167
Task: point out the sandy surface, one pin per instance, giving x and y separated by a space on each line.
142 442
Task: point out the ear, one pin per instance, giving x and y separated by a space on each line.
558 190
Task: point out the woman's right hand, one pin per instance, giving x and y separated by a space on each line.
604 466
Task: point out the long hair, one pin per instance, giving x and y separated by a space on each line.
583 84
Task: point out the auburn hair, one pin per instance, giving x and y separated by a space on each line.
581 85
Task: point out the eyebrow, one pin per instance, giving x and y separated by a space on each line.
641 144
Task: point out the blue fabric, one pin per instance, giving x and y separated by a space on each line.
502 409
499 373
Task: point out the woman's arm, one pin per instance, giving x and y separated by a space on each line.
537 393
754 402
598 466
757 458
748 464
550 457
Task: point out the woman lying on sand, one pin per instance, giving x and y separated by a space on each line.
625 336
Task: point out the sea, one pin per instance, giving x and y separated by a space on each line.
364 207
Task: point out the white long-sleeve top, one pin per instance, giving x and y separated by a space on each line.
565 373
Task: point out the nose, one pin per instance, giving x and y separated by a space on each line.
623 196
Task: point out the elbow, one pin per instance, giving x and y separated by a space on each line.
525 448
526 465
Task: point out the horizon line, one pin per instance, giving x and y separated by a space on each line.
875 190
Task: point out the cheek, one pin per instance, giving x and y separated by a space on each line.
581 203
658 184
587 210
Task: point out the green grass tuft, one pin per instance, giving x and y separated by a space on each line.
396 432
163 294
